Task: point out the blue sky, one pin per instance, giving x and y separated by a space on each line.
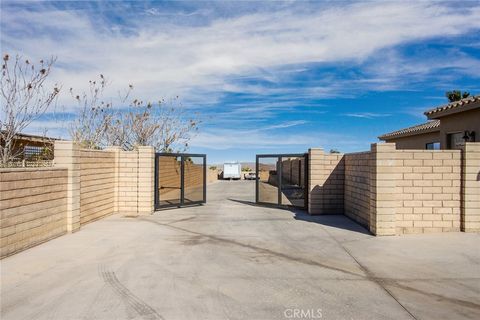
264 77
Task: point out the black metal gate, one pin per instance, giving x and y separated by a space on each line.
180 179
282 179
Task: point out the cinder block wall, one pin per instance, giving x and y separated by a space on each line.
326 182
33 203
146 176
212 175
428 190
135 181
128 182
357 186
293 171
102 182
470 221
399 191
97 183
38 204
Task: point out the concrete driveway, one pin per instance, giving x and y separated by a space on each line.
231 259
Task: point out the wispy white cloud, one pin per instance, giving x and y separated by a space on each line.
258 53
168 59
286 124
223 139
367 115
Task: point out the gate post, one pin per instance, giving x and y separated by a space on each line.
67 155
116 151
146 175
470 182
382 189
316 179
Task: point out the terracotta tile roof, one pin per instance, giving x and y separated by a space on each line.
430 126
451 105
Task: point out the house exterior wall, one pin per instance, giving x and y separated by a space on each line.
459 122
467 120
418 141
33 203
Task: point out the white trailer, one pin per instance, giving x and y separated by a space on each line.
232 170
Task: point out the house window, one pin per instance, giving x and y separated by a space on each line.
455 140
433 146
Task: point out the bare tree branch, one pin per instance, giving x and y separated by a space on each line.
98 123
93 115
24 99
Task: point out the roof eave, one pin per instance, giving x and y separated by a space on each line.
409 134
433 114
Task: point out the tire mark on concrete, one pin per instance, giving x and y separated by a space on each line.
140 307
181 220
369 274
463 303
266 251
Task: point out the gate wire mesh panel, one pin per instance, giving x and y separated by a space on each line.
293 181
282 179
194 172
169 181
180 179
267 180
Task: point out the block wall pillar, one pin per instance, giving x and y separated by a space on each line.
116 151
67 155
470 208
146 175
316 180
382 190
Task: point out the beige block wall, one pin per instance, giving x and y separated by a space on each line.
212 175
470 221
394 191
67 155
382 189
33 204
146 176
101 182
428 190
135 182
357 186
97 184
293 171
128 182
38 204
326 182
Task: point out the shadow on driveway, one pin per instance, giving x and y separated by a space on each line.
331 220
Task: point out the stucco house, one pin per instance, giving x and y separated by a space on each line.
448 127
